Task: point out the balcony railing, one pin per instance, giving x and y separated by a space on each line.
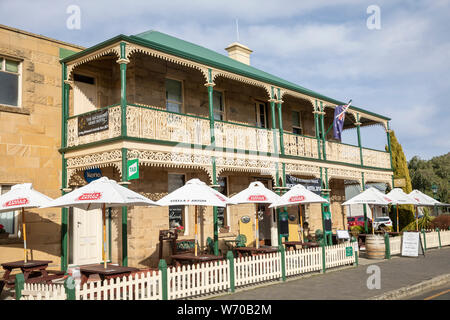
301 146
156 124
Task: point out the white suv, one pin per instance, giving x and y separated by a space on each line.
382 221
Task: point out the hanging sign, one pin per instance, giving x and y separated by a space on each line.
93 122
133 169
313 185
92 174
412 244
348 251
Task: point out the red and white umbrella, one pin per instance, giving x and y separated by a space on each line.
423 200
20 197
398 196
101 193
195 193
298 195
255 193
370 196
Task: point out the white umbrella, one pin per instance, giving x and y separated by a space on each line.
370 196
99 194
423 200
256 192
22 196
298 195
398 196
195 193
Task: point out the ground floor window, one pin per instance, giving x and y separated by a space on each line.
176 216
8 220
222 212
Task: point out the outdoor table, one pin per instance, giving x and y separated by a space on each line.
110 272
191 257
254 251
27 269
291 244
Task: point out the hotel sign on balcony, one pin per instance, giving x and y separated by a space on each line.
93 122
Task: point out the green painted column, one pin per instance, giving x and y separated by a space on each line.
19 284
230 258
283 261
387 246
124 211
275 148
69 288
358 129
322 121
64 211
123 61
388 136
366 227
210 85
162 266
323 208
317 129
280 122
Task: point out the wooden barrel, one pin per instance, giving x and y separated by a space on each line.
375 247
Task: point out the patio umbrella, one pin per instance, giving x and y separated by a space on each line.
370 196
423 200
398 196
195 193
101 193
298 195
22 196
255 193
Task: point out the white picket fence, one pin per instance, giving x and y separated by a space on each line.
431 240
254 269
303 261
41 291
336 255
194 280
141 286
445 237
395 245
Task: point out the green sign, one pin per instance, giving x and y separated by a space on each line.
348 251
133 169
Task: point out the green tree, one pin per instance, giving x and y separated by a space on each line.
400 167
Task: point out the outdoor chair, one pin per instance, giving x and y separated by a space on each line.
210 246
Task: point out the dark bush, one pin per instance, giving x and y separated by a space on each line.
442 222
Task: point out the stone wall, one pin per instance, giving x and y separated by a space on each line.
30 137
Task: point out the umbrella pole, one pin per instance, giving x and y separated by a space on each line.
256 228
417 219
301 222
397 215
24 236
195 231
373 219
104 236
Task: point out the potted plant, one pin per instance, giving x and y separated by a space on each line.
224 229
179 229
3 233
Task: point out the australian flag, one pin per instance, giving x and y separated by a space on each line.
338 122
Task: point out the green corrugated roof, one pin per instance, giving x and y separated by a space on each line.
190 51
213 58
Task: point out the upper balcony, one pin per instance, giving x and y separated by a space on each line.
144 95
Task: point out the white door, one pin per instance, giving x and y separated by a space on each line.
87 236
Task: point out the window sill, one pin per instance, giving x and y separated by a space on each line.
227 235
5 108
11 240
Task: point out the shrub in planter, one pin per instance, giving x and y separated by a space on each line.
442 222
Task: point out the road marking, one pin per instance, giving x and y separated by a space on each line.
437 294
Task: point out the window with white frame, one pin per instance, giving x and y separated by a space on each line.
9 82
8 219
174 95
219 107
261 114
297 127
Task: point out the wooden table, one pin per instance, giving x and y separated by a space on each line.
252 251
34 268
177 259
110 272
231 243
291 244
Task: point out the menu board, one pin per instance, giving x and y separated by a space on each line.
93 122
412 244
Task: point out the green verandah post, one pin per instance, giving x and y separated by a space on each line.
324 255
424 240
439 237
356 251
19 285
387 246
162 266
230 258
317 129
124 210
69 286
283 261
322 125
210 85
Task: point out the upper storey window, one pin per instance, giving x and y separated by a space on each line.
9 82
174 95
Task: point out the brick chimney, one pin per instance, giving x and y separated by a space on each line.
239 52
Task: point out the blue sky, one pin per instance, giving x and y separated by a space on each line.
401 70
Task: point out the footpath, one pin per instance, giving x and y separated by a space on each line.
404 273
